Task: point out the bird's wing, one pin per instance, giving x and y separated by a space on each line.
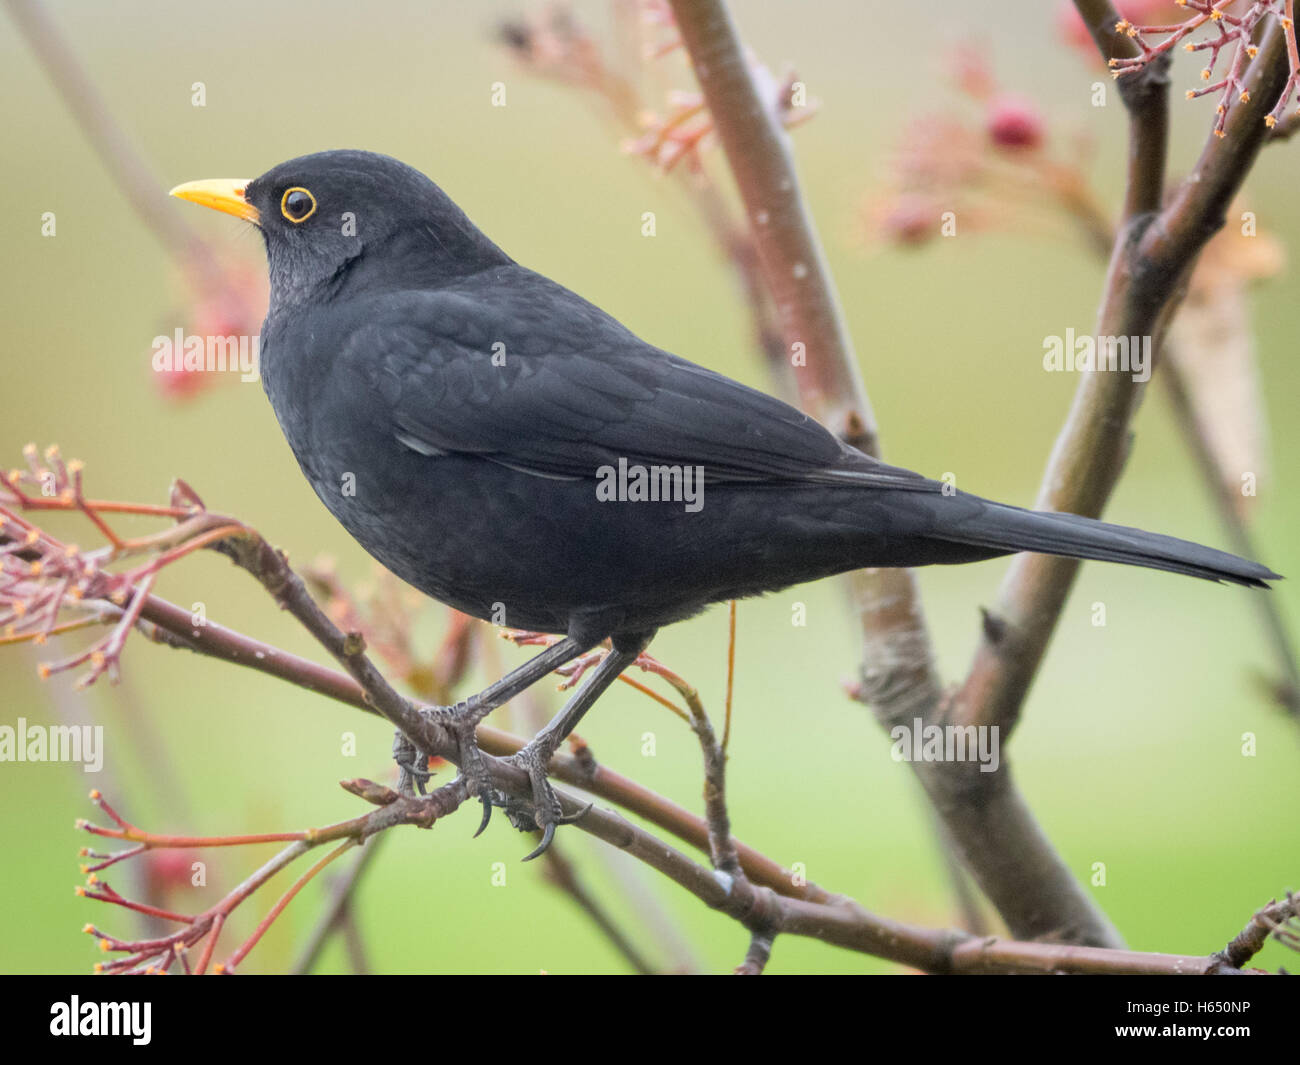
523 372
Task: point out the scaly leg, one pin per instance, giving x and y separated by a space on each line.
535 758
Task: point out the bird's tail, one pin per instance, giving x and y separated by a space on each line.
999 526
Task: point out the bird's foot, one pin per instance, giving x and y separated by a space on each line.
462 721
413 766
548 812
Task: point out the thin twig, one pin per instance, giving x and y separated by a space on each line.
1286 688
338 907
731 675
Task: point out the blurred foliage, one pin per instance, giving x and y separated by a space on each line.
1130 750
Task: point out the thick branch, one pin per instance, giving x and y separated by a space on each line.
898 659
992 827
1149 267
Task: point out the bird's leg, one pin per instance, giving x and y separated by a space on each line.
463 718
535 758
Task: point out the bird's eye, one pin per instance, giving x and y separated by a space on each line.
297 204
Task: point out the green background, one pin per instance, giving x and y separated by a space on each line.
1130 750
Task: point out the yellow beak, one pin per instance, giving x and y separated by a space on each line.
221 194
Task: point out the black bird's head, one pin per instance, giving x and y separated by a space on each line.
347 219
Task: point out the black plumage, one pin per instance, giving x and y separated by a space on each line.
472 403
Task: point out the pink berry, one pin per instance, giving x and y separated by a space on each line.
1014 123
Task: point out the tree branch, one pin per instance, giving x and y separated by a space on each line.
1152 259
898 659
988 820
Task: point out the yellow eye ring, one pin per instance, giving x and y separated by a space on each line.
300 209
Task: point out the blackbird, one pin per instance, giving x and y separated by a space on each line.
511 450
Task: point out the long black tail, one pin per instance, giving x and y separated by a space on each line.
999 526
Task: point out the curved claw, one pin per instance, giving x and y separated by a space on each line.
548 830
487 816
548 835
570 819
